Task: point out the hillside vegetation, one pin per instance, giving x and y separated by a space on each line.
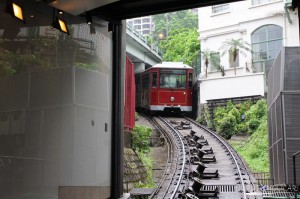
243 118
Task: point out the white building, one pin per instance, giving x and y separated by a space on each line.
266 25
144 25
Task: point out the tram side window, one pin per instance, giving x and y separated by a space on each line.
154 80
145 82
190 80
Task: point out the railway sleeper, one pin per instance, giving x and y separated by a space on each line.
203 141
199 172
201 168
207 150
196 160
204 175
192 133
201 190
203 155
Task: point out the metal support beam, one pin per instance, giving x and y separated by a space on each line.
117 127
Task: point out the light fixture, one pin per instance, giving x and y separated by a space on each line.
60 12
15 10
60 25
88 19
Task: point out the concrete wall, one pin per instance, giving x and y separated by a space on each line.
55 118
233 86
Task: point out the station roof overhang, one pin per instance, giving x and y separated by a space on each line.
111 10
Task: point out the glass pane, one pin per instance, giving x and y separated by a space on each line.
259 35
274 48
220 8
172 79
154 80
274 32
190 80
214 61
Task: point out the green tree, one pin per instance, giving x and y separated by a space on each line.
210 57
181 45
233 47
165 23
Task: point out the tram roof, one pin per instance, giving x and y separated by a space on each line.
171 65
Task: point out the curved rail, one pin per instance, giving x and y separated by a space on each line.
227 147
182 147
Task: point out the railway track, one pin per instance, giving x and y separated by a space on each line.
201 164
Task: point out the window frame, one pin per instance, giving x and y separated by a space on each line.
267 41
217 9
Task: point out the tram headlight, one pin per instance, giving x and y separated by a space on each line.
172 99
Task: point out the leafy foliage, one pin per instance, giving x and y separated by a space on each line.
211 58
136 116
205 118
141 144
231 119
181 45
165 23
233 47
255 149
148 163
141 138
177 36
255 114
226 120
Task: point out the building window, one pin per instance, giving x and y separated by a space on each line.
137 21
257 2
214 61
137 27
146 20
266 44
220 8
146 26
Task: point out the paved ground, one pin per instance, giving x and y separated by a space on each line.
159 153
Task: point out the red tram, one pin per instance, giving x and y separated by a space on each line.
165 87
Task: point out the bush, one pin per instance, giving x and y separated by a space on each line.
226 127
205 118
141 144
136 116
141 138
255 149
255 114
253 124
242 128
226 120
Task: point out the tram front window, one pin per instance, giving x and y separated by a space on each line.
173 79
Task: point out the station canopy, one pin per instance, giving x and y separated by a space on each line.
123 9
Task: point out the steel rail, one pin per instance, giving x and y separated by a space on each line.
226 145
180 147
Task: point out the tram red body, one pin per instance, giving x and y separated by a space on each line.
129 108
165 87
